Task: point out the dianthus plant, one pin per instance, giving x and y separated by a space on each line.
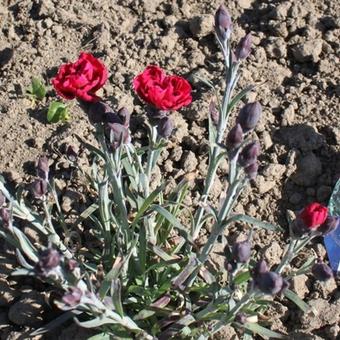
146 275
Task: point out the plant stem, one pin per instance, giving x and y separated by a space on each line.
230 316
220 225
287 257
213 163
208 184
53 236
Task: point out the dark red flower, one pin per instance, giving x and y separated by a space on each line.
161 91
81 79
313 215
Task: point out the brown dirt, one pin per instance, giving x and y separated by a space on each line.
294 62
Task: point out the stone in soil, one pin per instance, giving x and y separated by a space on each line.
28 310
322 313
299 285
8 294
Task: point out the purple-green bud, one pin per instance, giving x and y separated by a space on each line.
214 113
39 188
42 167
223 23
251 170
298 228
71 153
2 199
5 217
118 134
124 115
235 136
270 283
241 318
241 251
244 47
165 127
249 154
48 260
71 265
261 267
331 223
230 266
97 112
73 297
249 116
321 271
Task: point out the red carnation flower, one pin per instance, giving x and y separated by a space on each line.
313 215
81 79
161 91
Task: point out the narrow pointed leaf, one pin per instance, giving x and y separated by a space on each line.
55 323
174 221
96 322
255 222
298 301
262 331
239 96
146 204
22 261
26 245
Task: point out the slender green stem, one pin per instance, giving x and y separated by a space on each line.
220 224
53 236
208 184
231 315
287 257
152 153
60 212
48 217
222 125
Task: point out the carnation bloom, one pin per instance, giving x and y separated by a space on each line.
81 79
313 215
161 91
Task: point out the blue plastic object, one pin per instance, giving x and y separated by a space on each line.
332 240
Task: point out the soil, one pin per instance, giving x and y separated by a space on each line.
294 63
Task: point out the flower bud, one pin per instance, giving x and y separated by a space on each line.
71 153
97 112
71 265
298 227
249 116
241 251
251 170
249 154
73 297
2 199
241 318
42 168
124 115
223 24
230 266
331 223
165 127
235 136
270 283
261 267
48 260
321 271
39 188
244 47
214 113
5 217
118 134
